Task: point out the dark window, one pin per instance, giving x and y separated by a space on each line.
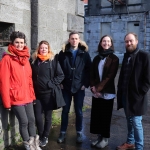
5 30
136 24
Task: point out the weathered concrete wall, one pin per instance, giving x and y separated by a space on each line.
19 13
9 129
56 18
118 29
121 18
99 7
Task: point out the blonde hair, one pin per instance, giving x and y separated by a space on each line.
34 55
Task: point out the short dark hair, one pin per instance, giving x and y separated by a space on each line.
17 34
73 32
100 48
135 35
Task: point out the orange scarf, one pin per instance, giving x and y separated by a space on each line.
43 58
23 55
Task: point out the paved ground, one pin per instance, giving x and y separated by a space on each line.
118 131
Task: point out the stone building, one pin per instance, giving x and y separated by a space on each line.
116 18
50 20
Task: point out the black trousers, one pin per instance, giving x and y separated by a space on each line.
43 107
101 113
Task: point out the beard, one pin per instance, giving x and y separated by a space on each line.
131 48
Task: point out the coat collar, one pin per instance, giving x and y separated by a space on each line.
82 46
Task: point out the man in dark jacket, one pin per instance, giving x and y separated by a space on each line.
133 85
75 62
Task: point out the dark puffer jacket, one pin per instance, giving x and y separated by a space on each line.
78 75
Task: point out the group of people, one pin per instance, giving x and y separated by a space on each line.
48 82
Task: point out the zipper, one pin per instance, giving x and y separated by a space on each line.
25 82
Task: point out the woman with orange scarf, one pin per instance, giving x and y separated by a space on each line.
16 88
47 75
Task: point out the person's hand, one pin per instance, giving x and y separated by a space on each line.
8 109
93 89
34 102
83 87
98 94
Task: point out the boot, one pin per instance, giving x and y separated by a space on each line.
44 141
30 144
103 143
61 137
37 142
79 138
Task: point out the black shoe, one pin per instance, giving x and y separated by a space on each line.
79 138
43 141
61 137
96 141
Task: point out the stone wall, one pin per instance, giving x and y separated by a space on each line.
19 13
118 29
56 18
50 20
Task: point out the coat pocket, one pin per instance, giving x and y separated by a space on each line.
17 94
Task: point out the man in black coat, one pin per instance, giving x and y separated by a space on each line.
133 85
75 63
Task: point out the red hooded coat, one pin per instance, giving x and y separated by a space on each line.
16 87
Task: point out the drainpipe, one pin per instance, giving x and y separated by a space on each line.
34 24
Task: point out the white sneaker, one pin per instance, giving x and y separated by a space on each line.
103 143
96 141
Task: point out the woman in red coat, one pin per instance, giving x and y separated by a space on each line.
16 88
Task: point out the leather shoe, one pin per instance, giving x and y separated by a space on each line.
61 137
126 146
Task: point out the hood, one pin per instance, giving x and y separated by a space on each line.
82 45
7 53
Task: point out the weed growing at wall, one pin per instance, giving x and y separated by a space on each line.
55 120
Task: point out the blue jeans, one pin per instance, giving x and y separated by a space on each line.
135 128
78 104
135 131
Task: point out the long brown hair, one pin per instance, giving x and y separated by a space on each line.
100 48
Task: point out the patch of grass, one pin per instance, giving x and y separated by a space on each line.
55 120
1 140
85 107
19 142
9 127
14 141
120 65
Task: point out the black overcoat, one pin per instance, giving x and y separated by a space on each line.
138 85
77 74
